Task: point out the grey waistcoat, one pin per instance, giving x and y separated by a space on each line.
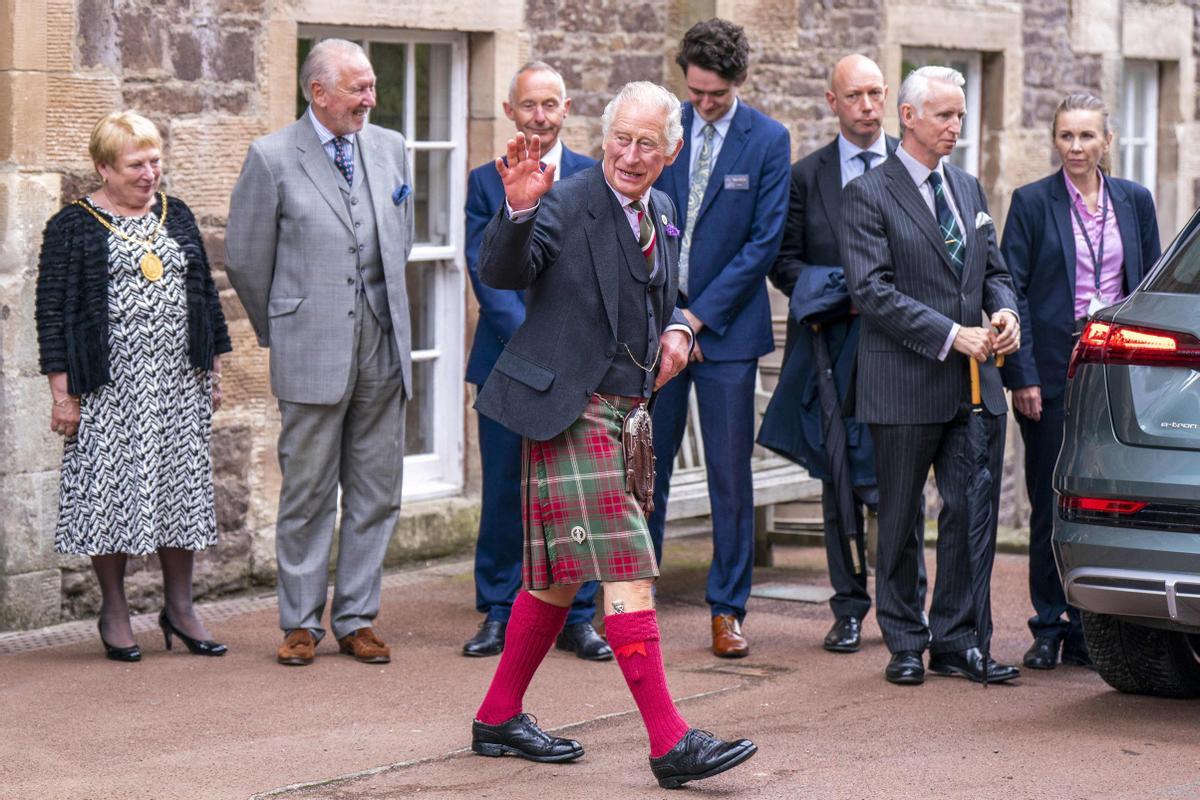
371 283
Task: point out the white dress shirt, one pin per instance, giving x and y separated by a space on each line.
721 128
852 165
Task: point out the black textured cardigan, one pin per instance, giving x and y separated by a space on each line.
72 296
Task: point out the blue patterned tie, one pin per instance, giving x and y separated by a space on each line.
946 221
866 157
341 159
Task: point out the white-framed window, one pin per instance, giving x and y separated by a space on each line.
422 92
966 153
1139 123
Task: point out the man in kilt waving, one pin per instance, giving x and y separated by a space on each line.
597 258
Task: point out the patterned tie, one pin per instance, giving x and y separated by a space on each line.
695 198
646 234
950 230
342 160
866 157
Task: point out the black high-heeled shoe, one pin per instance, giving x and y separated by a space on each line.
127 654
197 647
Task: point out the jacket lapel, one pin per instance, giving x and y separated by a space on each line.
1060 207
731 150
909 198
829 183
378 171
601 230
319 168
1128 227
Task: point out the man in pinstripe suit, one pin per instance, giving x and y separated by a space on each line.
924 271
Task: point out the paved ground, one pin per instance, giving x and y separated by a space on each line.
73 725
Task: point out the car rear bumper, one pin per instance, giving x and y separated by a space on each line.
1151 575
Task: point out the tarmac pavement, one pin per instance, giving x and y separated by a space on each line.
73 725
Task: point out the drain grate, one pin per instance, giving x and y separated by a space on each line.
85 630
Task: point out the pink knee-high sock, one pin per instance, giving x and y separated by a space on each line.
634 639
530 632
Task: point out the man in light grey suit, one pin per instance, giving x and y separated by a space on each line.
924 269
320 228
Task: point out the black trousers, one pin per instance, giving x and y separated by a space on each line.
850 596
1043 439
903 457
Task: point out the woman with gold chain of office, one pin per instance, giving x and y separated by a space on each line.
130 332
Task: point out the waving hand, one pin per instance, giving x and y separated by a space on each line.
524 181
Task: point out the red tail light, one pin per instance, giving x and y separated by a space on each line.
1103 505
1108 343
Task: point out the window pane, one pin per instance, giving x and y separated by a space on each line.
431 206
433 92
389 63
302 48
418 413
421 279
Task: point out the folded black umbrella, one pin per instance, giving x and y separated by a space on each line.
834 430
981 526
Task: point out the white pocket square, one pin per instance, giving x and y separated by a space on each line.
982 219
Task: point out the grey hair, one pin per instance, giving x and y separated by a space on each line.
652 96
915 89
536 66
1080 101
321 63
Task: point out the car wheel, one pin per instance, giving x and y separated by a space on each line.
1141 660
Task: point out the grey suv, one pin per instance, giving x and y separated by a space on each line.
1127 528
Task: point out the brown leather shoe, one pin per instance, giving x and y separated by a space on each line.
298 649
365 646
728 641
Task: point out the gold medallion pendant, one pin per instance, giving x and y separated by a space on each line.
152 266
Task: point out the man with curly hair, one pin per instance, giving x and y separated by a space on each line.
730 184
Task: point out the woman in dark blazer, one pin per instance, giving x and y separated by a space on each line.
130 333
1075 241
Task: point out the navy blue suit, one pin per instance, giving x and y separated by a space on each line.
734 242
1039 249
501 312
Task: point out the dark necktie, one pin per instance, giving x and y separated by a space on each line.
342 160
646 231
946 221
866 157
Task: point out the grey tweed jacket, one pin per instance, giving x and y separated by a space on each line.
910 295
290 250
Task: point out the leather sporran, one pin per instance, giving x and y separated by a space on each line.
637 443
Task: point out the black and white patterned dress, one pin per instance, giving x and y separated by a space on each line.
137 476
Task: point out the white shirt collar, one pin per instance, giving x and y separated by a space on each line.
848 149
918 171
721 124
553 158
324 134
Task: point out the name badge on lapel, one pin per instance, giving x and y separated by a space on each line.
737 183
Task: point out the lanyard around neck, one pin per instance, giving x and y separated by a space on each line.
1097 258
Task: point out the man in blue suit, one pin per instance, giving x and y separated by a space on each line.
730 184
538 105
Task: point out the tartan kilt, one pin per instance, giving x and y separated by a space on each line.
580 522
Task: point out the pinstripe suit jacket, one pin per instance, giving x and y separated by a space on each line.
910 295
